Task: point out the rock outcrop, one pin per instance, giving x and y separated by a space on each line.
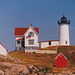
10 66
19 69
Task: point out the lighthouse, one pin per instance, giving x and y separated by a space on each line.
64 31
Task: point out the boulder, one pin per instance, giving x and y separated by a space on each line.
15 69
25 71
8 56
49 74
36 74
7 72
49 70
5 65
18 61
69 72
73 73
33 69
40 73
19 69
55 74
11 59
30 66
61 74
36 68
3 57
1 72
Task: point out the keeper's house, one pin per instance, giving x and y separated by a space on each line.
26 38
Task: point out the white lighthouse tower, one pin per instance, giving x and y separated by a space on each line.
64 31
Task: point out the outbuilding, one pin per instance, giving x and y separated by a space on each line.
44 44
3 50
61 60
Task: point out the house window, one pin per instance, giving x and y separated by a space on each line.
31 34
50 43
18 42
31 41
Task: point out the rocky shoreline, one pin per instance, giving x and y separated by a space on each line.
10 66
18 69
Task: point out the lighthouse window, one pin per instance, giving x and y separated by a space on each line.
66 42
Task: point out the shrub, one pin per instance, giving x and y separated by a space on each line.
34 52
45 53
73 52
54 65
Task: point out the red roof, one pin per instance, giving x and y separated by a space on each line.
21 31
60 55
37 30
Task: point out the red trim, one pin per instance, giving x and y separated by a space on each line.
48 41
3 46
20 39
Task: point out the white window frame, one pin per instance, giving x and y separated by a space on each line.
31 41
31 34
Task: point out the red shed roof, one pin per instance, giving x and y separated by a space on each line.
22 31
60 55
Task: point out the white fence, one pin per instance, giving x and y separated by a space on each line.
42 51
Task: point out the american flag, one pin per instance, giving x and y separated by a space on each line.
29 36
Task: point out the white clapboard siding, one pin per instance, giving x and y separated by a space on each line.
3 50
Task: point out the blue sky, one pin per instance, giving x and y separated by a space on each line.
40 13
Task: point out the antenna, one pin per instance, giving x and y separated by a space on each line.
63 13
